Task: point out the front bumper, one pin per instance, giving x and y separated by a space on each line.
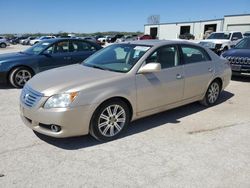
3 77
72 121
239 69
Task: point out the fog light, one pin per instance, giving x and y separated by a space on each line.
55 128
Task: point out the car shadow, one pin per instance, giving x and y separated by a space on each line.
245 78
6 86
144 124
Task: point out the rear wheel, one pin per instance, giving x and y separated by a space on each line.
212 94
19 76
110 120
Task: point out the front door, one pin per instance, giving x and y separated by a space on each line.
57 55
155 90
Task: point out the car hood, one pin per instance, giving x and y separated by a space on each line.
69 78
237 53
216 41
13 56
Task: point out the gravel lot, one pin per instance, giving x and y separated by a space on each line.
190 146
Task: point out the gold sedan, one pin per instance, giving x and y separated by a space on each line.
119 84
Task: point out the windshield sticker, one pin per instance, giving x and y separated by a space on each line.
141 48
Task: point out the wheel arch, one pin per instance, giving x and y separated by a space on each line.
17 66
127 102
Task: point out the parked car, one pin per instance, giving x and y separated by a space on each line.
3 42
14 40
239 57
222 41
121 83
18 68
127 38
92 39
39 39
104 39
187 36
145 37
247 34
27 40
114 38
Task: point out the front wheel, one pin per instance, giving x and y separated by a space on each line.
110 120
212 94
3 45
19 76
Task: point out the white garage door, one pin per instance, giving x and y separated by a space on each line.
240 27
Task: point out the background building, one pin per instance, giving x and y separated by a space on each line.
239 22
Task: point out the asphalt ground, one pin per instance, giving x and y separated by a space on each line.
190 146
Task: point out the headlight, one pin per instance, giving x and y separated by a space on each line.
60 100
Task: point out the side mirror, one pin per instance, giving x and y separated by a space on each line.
150 68
46 53
235 38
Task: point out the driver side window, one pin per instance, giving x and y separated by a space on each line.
167 56
59 47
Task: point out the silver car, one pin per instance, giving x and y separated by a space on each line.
119 84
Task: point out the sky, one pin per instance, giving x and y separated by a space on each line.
87 16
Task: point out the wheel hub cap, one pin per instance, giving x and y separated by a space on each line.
111 120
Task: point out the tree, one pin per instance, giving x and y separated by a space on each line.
154 19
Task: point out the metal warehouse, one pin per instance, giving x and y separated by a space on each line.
240 22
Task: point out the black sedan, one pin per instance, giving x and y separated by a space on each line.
239 57
18 68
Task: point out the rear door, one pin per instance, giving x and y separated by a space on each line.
198 70
80 50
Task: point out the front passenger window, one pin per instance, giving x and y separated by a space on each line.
167 56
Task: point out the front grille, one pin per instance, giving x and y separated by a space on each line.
238 60
30 97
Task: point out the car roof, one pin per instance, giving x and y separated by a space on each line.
62 39
159 42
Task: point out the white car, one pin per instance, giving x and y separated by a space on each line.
3 42
222 41
34 41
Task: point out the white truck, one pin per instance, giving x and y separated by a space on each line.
222 41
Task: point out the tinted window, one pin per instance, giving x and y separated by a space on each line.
219 36
243 44
79 46
167 56
60 47
237 35
192 54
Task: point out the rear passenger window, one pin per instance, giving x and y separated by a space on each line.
79 46
194 54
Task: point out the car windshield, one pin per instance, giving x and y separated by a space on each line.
219 36
38 48
243 44
117 57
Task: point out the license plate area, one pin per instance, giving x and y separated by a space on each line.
236 67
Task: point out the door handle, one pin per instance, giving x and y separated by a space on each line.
178 76
210 69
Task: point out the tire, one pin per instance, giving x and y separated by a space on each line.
3 45
212 94
109 120
19 76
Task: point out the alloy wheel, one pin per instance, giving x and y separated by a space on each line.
22 76
213 92
112 120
